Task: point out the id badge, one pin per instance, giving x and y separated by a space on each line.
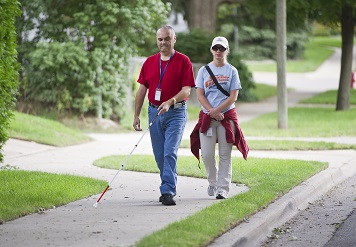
209 132
158 94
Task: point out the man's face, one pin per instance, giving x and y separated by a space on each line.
165 40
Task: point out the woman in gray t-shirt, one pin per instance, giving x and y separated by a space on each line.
219 110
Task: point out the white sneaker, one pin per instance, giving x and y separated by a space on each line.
211 190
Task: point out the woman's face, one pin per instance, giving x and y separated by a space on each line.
219 52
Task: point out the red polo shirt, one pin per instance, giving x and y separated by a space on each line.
179 73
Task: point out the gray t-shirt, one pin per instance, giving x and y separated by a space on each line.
227 76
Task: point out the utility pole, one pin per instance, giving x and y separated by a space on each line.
236 32
281 49
99 111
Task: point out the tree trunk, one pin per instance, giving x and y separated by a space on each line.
282 102
347 34
202 14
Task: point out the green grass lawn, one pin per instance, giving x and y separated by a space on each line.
45 131
304 122
317 50
329 97
285 145
24 192
263 91
267 179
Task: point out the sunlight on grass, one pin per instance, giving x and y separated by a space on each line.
274 145
305 122
264 91
264 188
45 131
329 97
267 180
317 50
327 41
24 192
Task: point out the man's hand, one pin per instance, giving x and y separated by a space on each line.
136 124
164 107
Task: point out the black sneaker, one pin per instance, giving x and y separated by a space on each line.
221 195
167 199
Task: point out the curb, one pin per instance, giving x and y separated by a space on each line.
261 224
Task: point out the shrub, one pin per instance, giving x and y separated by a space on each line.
195 45
9 9
258 44
246 78
45 81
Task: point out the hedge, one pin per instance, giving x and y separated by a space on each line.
9 66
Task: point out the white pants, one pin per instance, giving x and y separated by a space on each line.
219 177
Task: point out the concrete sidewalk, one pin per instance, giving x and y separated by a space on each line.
131 209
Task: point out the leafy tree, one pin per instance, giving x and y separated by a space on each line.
85 46
9 9
256 27
261 14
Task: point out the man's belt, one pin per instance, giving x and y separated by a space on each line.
174 106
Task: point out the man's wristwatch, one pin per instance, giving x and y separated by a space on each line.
174 101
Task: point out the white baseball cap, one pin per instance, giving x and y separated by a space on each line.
220 41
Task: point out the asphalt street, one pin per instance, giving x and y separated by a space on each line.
329 221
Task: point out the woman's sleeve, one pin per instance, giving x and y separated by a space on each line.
235 80
199 81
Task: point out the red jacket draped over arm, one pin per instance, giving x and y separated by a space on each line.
203 125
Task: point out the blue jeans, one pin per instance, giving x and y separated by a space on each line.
166 134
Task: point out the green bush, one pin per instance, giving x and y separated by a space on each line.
9 9
258 44
196 45
295 45
77 64
246 78
319 29
46 83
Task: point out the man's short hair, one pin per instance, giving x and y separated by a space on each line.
169 28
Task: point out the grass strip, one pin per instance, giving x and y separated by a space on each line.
263 91
45 131
304 122
25 192
317 50
328 97
267 180
285 145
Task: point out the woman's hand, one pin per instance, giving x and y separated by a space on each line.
213 113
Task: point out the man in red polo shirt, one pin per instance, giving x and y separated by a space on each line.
168 76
